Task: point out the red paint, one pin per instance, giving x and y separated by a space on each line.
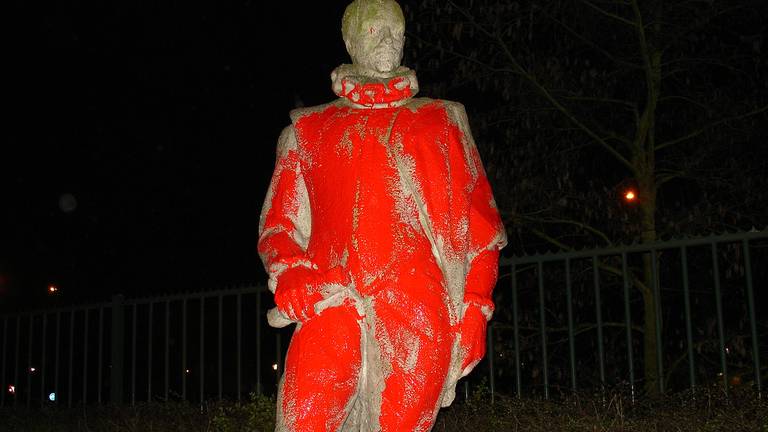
370 94
365 232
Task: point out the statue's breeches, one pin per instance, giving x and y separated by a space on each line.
384 370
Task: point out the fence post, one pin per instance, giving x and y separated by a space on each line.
118 349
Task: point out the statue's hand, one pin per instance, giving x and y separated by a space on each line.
296 294
300 288
472 328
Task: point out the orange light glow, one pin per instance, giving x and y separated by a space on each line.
630 195
52 289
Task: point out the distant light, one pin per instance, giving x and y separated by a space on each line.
187 370
32 369
53 289
52 397
12 389
274 366
630 195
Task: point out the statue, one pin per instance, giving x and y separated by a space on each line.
381 239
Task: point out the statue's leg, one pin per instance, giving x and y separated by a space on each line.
321 372
416 341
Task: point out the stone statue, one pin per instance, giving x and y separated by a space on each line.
381 239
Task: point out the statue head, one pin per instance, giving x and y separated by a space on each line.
373 32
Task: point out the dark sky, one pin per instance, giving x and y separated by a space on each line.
141 139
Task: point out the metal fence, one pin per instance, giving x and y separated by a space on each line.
582 315
191 346
204 345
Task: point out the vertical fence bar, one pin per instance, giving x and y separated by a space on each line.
16 355
719 309
56 358
219 345
599 318
752 317
571 336
43 365
259 317
657 305
29 359
184 350
628 318
133 354
5 352
202 350
491 355
543 329
516 330
167 344
239 341
71 357
150 333
101 355
85 355
688 323
278 355
117 351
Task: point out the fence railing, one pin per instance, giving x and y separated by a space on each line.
701 292
191 346
565 322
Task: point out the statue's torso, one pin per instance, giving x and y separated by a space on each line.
382 187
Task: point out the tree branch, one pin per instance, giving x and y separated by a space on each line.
581 225
594 45
686 99
609 14
627 104
665 176
704 128
649 111
519 70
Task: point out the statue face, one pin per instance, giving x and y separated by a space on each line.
376 42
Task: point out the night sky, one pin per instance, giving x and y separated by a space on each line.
141 139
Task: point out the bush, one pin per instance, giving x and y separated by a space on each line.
256 416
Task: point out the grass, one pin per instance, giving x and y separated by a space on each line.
710 411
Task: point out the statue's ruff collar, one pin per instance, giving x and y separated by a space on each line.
373 92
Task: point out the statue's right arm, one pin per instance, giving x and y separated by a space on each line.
284 231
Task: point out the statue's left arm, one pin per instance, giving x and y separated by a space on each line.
487 237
